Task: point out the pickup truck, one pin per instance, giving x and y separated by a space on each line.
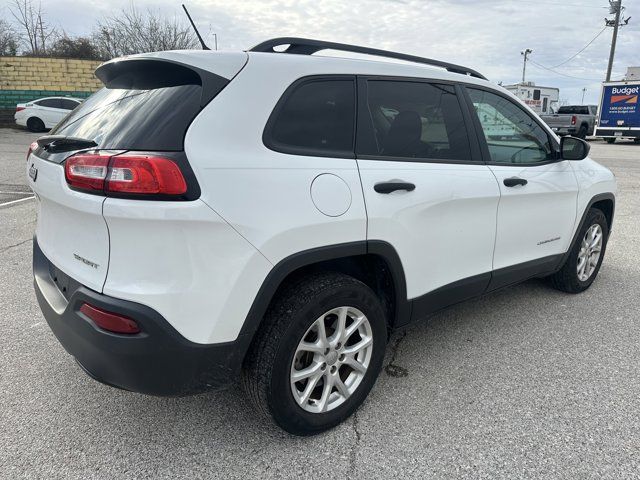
576 120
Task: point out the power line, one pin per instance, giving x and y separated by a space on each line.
563 74
582 49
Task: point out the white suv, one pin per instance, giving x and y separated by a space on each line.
272 216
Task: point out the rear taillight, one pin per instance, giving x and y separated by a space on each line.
125 174
32 147
573 119
112 322
19 109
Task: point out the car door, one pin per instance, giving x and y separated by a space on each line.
538 190
426 190
49 111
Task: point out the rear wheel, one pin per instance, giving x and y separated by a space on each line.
610 140
318 353
582 133
586 255
636 140
35 124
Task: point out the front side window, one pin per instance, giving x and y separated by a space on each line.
512 135
414 120
49 102
68 104
318 117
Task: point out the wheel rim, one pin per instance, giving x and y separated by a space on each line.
590 251
331 359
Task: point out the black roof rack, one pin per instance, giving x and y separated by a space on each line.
306 46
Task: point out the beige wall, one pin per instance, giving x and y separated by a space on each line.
55 74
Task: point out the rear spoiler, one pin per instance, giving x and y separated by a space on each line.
151 73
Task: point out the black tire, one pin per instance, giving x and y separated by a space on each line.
610 140
566 279
266 370
35 124
636 140
582 133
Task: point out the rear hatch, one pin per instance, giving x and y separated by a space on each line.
143 112
557 121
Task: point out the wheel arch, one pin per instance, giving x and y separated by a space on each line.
603 201
375 263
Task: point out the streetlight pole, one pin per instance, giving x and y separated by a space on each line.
583 92
524 66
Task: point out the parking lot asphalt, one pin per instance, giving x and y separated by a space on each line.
524 383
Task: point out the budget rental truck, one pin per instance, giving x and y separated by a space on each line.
618 112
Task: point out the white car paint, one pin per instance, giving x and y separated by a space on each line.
41 110
201 264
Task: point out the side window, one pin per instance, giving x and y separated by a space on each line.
317 117
512 135
68 104
49 102
413 120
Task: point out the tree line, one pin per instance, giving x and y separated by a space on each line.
26 31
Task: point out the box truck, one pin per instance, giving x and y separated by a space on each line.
618 112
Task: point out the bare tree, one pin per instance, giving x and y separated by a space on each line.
8 38
34 30
132 31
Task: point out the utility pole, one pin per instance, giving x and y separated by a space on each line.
615 7
583 92
524 66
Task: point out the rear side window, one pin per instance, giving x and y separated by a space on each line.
315 117
68 104
413 120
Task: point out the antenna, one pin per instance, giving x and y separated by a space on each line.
204 46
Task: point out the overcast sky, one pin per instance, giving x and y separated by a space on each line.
483 34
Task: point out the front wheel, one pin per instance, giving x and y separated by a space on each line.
586 255
317 354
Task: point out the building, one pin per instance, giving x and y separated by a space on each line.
633 73
541 99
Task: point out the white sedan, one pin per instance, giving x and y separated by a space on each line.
44 113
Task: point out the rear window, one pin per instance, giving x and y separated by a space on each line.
149 119
574 110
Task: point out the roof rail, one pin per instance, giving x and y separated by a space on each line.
306 46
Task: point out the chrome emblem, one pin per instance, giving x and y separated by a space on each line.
85 261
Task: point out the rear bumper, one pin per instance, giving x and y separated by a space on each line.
157 361
564 130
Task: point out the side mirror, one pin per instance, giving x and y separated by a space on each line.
572 148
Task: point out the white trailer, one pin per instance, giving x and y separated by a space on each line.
542 100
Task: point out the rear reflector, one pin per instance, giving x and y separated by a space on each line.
125 174
110 321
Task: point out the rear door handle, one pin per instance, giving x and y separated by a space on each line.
513 181
393 185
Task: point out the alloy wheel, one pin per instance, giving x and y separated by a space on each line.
590 251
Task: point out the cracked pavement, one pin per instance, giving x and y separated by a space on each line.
525 383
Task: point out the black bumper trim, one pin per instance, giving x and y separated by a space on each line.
157 361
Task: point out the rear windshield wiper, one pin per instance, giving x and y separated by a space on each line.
61 143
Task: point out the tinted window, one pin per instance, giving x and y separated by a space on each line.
317 116
512 135
68 104
574 109
49 102
116 118
414 120
536 94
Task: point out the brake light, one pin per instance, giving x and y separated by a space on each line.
32 147
573 119
134 174
19 109
112 322
143 174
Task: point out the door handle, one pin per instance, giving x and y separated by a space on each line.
393 185
513 181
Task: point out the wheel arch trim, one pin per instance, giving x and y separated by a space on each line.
290 264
